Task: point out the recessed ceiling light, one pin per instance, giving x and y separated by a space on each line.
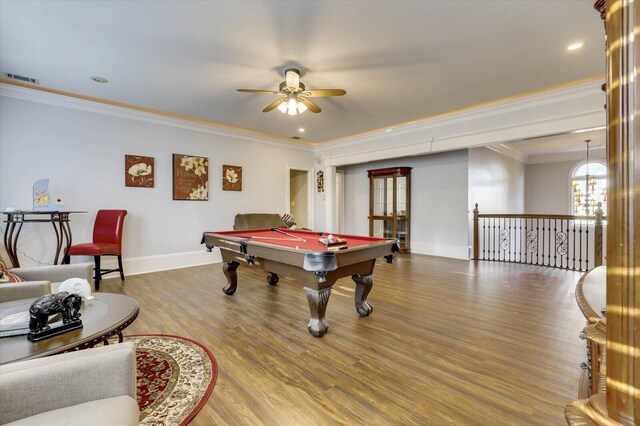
301 129
575 46
99 79
389 130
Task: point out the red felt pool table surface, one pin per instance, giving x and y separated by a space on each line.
302 240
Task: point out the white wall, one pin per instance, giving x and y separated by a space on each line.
547 186
82 153
496 182
438 202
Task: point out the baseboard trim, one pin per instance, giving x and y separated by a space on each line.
166 262
442 250
163 262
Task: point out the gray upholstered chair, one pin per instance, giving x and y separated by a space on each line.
257 221
91 387
41 280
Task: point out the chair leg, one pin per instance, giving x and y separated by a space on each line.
120 267
97 272
66 259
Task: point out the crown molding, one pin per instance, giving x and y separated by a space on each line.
464 140
500 107
564 110
508 151
405 140
550 95
155 117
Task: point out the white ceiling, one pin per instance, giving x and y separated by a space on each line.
556 144
397 60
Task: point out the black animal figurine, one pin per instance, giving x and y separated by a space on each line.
64 303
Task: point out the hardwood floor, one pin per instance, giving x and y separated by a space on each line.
447 342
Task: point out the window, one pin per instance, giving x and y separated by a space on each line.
588 188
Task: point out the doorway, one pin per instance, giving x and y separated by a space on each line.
300 196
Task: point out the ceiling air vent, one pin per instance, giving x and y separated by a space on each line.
22 78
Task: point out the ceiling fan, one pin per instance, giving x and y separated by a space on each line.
295 98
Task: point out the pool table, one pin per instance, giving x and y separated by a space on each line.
302 256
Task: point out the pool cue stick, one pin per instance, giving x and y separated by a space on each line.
288 235
273 238
264 238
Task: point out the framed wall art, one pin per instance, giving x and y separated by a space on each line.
190 177
320 180
231 178
138 171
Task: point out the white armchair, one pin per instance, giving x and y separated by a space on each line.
90 387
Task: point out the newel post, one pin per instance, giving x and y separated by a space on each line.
597 259
476 238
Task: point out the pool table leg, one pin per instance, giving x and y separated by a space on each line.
317 300
364 283
229 269
273 278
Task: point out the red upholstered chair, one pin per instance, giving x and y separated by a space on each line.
107 241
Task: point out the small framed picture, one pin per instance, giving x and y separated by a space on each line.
231 178
320 180
190 177
138 171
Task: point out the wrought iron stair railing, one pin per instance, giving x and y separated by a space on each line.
560 241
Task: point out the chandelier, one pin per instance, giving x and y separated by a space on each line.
585 194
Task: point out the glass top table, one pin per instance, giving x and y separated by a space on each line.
102 317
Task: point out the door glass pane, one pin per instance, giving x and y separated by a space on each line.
389 197
401 227
401 194
379 191
383 228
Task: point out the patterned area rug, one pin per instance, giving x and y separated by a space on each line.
175 378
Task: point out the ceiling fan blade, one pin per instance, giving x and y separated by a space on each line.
310 105
274 104
320 93
266 92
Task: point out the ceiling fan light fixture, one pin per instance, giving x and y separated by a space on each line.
292 105
292 77
293 98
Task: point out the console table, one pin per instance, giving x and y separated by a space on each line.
15 219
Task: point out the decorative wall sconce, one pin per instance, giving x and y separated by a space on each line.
320 180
